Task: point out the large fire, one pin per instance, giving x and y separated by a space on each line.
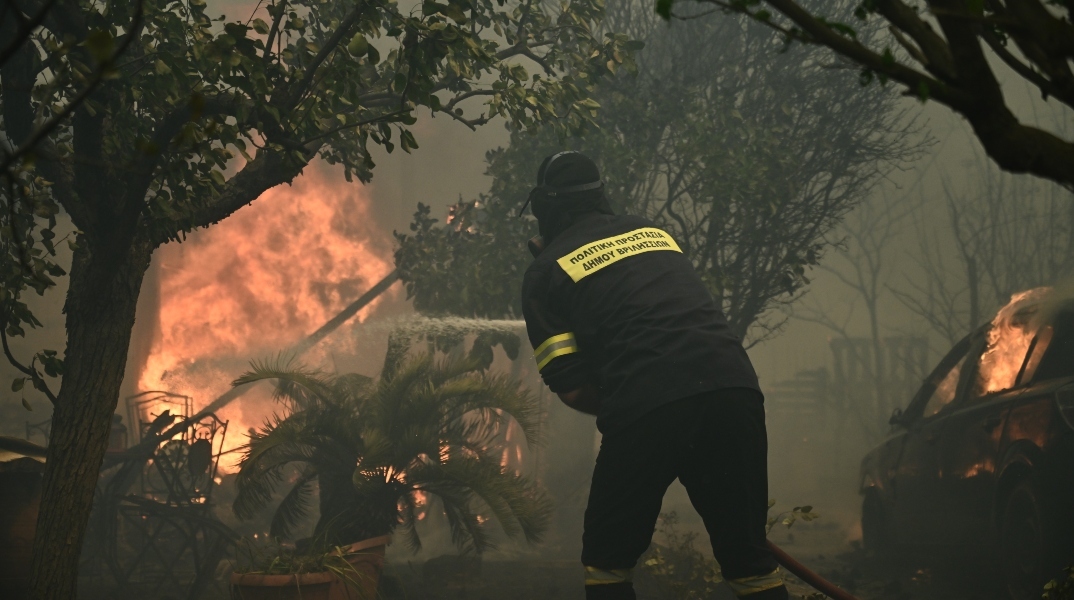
257 283
1012 331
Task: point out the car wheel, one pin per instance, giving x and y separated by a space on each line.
875 527
1025 548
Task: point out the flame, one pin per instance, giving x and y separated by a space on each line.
1008 340
986 467
421 504
257 283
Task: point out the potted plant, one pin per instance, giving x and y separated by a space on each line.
279 572
374 448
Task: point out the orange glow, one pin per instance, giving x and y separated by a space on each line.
421 503
986 467
1008 340
257 283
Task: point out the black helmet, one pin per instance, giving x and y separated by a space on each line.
568 184
568 172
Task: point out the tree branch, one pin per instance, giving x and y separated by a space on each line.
1053 34
1046 86
25 30
362 123
35 377
268 169
57 118
163 133
974 93
937 56
329 47
274 31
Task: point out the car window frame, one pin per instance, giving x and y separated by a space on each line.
961 350
1022 380
965 397
1064 315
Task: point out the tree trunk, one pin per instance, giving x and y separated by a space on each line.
101 305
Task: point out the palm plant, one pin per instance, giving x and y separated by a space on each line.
374 448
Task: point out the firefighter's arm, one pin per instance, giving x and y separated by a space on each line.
560 361
585 399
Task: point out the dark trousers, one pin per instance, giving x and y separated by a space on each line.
716 444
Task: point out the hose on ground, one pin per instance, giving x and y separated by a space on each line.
807 575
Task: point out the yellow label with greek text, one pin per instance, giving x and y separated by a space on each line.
597 255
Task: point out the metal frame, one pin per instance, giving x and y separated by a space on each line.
154 529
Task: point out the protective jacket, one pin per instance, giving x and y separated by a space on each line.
613 301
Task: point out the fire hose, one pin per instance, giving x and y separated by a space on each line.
807 575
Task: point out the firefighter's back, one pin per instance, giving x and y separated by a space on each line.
641 315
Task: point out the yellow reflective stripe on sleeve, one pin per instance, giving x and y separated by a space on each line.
557 345
594 256
595 576
744 586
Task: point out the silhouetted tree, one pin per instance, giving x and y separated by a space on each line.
937 51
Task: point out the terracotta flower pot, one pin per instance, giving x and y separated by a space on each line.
360 583
367 560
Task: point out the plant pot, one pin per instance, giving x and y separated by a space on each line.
359 582
367 561
301 586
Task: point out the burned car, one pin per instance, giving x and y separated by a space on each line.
981 462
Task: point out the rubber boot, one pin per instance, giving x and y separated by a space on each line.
612 591
776 593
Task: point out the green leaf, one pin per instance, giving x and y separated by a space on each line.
100 45
923 91
888 57
455 13
663 8
17 384
358 45
26 405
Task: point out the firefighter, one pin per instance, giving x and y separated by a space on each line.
624 329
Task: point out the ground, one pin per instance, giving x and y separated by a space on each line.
822 547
